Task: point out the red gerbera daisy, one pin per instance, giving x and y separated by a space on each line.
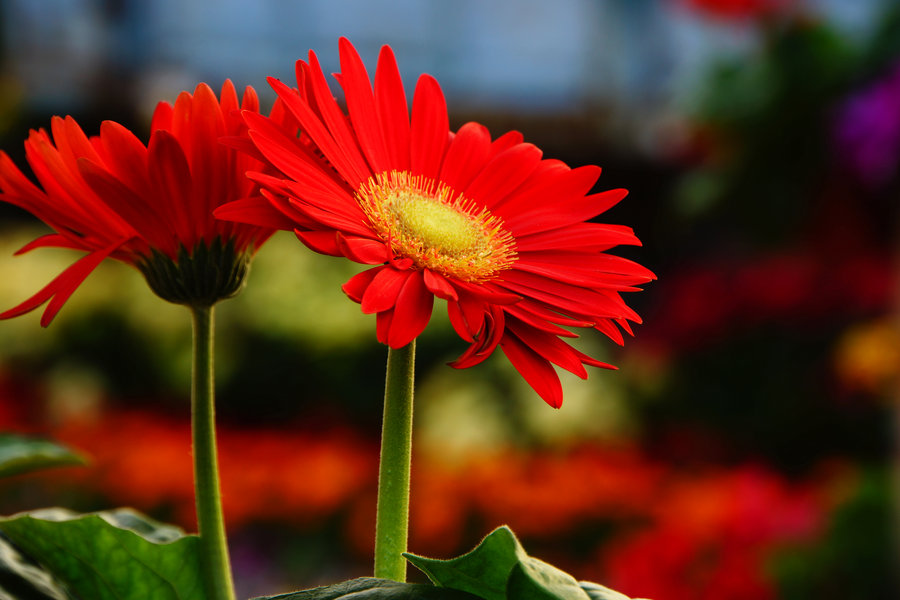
489 226
148 206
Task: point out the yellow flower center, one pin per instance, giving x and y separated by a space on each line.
436 228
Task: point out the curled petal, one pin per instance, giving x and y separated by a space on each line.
486 341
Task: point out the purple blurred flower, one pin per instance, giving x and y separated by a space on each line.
867 131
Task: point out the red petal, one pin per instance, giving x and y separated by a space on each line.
525 311
593 362
361 106
62 286
412 312
292 158
323 242
349 164
207 158
489 294
363 250
548 346
126 156
429 128
356 286
468 316
466 156
490 335
459 323
254 211
393 112
505 141
383 321
603 263
131 207
382 293
586 237
51 240
171 185
503 174
609 329
575 300
439 285
566 211
535 369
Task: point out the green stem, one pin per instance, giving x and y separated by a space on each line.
210 523
392 520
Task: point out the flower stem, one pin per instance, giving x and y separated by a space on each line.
392 520
210 523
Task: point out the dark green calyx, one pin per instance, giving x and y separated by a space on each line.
199 278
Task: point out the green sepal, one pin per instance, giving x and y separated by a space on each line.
200 277
21 454
111 555
371 588
500 569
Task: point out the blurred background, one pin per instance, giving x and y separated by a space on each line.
747 448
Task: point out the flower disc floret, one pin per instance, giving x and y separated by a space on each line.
438 229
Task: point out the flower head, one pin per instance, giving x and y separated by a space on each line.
148 206
489 226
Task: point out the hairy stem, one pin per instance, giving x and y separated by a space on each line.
392 521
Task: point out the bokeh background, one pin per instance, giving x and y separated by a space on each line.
747 448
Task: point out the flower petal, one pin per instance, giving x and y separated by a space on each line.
429 128
412 312
393 112
489 336
548 346
585 237
504 173
254 211
323 242
466 156
439 285
356 286
363 250
63 286
534 368
566 211
383 290
361 105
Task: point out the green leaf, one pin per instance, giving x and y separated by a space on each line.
21 454
22 579
533 579
595 591
484 571
112 555
370 588
500 569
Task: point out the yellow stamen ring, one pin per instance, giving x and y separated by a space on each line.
436 228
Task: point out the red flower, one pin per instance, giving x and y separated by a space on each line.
739 9
489 226
148 206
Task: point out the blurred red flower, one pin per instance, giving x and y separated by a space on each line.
111 196
489 226
712 534
737 9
